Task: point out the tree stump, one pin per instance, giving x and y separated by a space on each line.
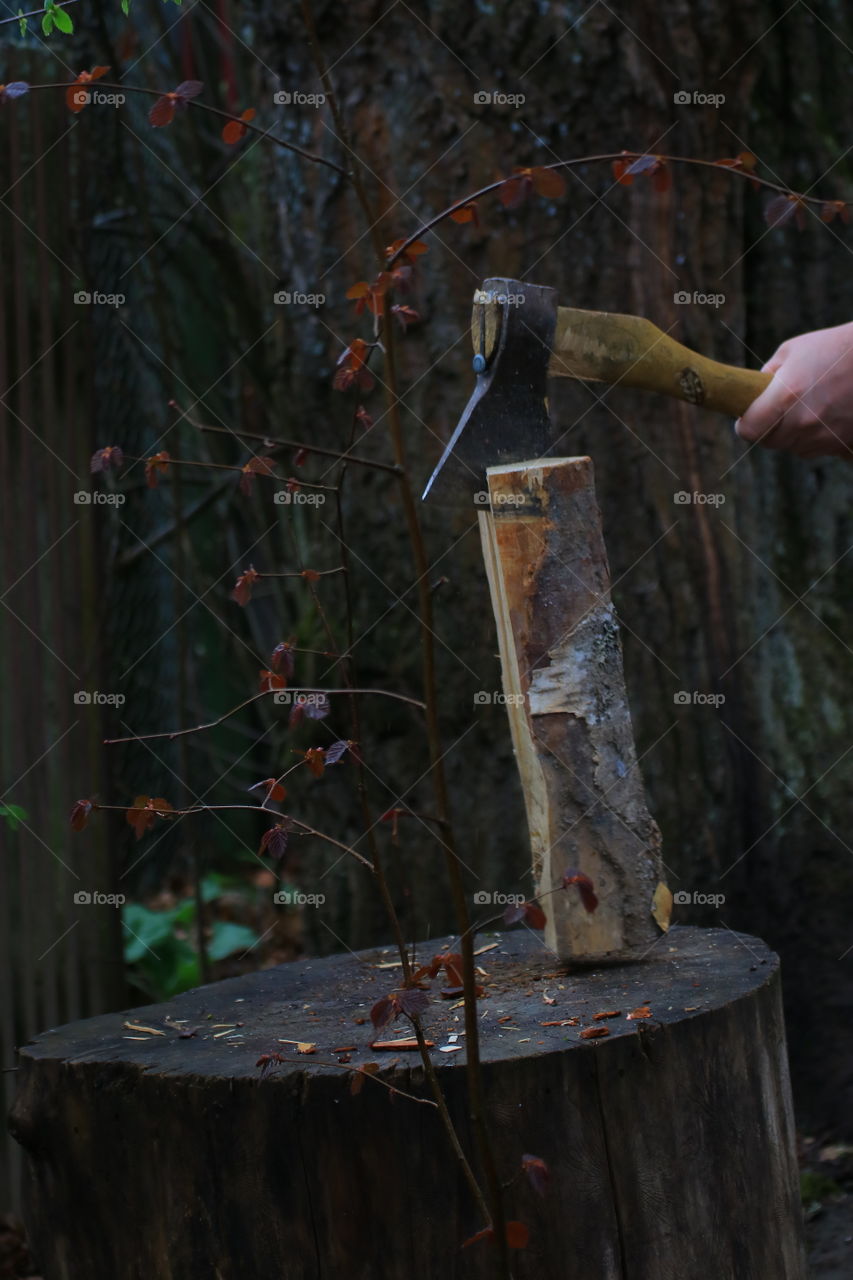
669 1140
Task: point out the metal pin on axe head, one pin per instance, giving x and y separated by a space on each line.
507 418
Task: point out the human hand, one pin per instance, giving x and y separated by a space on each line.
807 408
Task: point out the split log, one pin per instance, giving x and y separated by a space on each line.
669 1140
564 686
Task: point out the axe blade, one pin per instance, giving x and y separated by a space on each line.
507 418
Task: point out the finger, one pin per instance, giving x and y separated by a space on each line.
765 412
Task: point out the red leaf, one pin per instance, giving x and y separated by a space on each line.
414 251
467 213
75 97
534 915
301 457
163 111
537 1172
384 1011
315 759
515 191
236 129
316 707
363 418
156 466
310 575
517 1235
352 369
274 789
336 752
274 841
621 172
780 210
358 1078
255 467
662 177
106 459
283 659
80 814
15 89
549 183
451 962
144 810
189 89
242 592
270 681
413 1002
643 164
405 316
585 887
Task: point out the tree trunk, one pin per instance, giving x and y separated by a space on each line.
669 1141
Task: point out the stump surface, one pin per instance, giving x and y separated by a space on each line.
670 1140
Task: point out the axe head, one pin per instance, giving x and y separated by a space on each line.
507 418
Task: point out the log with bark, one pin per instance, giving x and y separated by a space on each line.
155 1147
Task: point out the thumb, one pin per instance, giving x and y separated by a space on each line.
766 410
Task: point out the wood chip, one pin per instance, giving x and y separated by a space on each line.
594 1033
489 947
561 1022
302 1046
145 1038
642 1012
449 1048
607 1013
400 1044
135 1026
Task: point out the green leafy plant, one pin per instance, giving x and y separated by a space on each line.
14 815
157 946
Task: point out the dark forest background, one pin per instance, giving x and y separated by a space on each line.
749 599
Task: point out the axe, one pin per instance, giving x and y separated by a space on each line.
520 337
596 858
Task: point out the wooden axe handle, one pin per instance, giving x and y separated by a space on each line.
603 346
630 350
